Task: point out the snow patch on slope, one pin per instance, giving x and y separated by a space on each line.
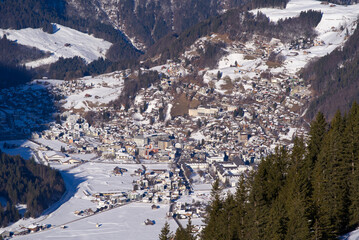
65 42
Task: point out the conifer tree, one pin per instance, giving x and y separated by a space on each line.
318 128
165 232
276 228
298 202
229 216
185 233
330 183
181 234
240 211
352 137
189 230
213 227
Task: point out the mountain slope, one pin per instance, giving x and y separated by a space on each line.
65 42
145 21
335 79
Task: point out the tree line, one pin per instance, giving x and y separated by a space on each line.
26 182
310 192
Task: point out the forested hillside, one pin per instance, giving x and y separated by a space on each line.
41 13
147 21
308 193
334 79
240 26
26 182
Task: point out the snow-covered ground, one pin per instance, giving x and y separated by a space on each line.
95 92
53 144
24 148
332 29
351 236
65 42
335 16
106 88
125 221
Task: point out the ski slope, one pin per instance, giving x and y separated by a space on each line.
65 42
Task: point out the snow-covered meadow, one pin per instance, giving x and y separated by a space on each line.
126 221
65 42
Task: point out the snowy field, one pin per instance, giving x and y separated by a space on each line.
125 221
351 236
24 148
105 88
97 91
65 42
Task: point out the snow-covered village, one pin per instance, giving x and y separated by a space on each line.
130 168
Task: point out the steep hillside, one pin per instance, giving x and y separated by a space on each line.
41 13
335 79
145 21
64 42
239 26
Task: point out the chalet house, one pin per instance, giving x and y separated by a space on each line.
6 234
33 228
199 165
243 137
134 196
163 144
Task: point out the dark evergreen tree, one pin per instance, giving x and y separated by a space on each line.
240 212
352 136
28 183
277 225
330 183
213 227
165 232
298 203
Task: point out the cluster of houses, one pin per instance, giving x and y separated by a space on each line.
223 132
189 210
154 186
25 230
